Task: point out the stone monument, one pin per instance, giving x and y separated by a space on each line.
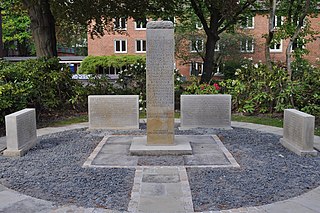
206 111
21 132
298 132
160 83
160 139
113 111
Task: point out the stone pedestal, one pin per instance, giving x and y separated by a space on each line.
21 132
160 80
298 132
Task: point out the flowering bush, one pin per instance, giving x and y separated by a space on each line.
260 90
196 88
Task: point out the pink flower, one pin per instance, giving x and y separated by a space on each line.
216 86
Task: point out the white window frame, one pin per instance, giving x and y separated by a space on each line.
140 27
196 48
303 46
199 25
141 45
217 47
247 21
246 45
274 50
120 21
121 46
275 24
196 65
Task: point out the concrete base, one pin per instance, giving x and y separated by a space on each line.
298 150
181 147
14 153
209 127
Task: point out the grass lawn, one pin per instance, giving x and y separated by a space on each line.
265 120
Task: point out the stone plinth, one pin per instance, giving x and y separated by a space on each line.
181 146
113 111
207 111
21 132
160 89
298 132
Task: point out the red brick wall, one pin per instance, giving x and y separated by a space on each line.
105 44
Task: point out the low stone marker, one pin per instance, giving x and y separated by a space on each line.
113 111
298 132
207 111
21 132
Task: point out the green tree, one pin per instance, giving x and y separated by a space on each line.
216 17
16 33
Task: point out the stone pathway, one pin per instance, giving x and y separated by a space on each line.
158 189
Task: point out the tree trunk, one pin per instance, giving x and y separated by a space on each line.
272 12
209 59
42 27
1 43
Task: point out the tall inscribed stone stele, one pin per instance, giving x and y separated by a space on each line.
160 83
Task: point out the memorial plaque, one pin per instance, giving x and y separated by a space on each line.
113 111
21 132
207 111
160 80
298 132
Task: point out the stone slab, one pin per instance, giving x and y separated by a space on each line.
113 111
21 132
298 132
182 146
160 83
205 111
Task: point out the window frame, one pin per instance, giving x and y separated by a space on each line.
121 45
247 45
246 23
195 49
141 23
120 23
141 45
277 50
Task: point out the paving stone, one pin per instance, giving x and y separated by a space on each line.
160 178
287 207
29 205
120 140
152 189
115 148
114 160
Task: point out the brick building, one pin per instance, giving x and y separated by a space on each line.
132 40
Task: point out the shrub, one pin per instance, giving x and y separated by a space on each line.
43 84
91 64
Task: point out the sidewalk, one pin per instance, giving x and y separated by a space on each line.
11 201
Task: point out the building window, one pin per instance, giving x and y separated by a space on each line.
141 46
197 45
246 45
298 44
276 47
199 25
120 46
278 21
110 70
248 23
120 23
217 47
196 68
141 24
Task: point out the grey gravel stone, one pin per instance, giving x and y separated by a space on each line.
268 173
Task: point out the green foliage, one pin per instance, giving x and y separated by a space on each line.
259 90
196 88
43 84
16 31
91 63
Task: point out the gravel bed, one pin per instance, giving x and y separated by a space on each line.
268 173
52 171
